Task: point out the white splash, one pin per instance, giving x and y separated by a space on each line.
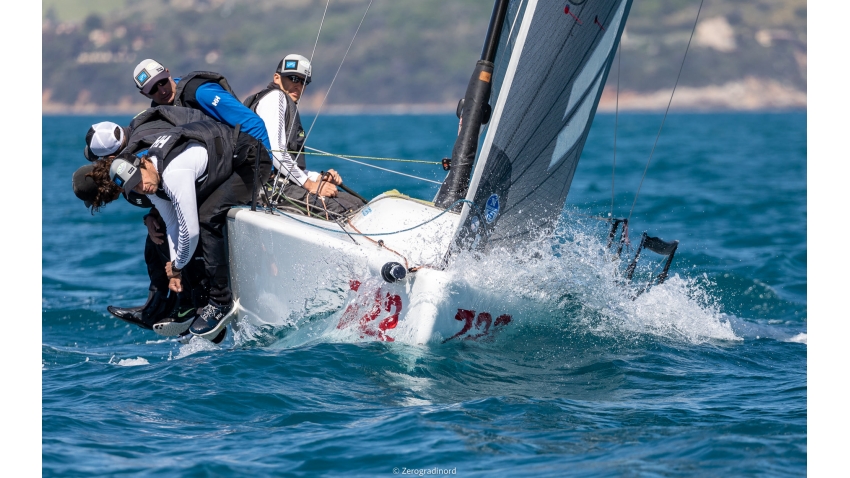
800 339
195 345
129 362
583 284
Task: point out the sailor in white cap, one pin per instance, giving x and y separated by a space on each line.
104 139
277 105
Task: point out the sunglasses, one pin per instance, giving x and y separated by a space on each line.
156 86
297 79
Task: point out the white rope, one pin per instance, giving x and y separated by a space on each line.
616 122
319 33
337 73
372 165
667 110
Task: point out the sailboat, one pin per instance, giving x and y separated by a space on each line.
382 273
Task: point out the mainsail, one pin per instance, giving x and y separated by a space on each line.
551 65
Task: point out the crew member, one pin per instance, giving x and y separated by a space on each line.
106 139
203 90
277 105
193 174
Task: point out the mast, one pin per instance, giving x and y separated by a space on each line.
475 112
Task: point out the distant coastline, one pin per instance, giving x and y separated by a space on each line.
749 94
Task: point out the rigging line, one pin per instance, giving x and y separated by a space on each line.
319 32
307 136
373 166
376 158
616 122
289 173
448 209
312 55
681 67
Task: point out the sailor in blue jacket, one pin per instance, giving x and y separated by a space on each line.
203 90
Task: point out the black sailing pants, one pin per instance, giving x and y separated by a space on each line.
237 190
156 256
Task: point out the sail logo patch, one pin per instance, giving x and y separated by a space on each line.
491 208
367 211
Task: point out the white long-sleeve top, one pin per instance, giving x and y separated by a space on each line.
272 110
181 213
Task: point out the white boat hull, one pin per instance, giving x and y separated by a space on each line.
287 269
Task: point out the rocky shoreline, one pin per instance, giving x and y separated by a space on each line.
748 94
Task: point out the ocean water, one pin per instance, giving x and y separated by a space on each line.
702 376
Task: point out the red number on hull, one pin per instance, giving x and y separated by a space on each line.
387 303
484 318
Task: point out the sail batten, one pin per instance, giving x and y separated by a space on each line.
547 82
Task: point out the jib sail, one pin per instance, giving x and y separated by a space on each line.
551 65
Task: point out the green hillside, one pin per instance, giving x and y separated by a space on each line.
407 51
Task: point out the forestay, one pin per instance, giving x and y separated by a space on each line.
552 63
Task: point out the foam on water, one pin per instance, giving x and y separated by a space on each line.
800 339
195 345
129 362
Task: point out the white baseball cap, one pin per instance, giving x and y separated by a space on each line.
148 73
103 139
296 65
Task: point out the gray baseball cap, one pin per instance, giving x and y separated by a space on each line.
147 73
125 174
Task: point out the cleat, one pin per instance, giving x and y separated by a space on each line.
178 323
212 319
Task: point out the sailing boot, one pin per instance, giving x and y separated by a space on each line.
145 315
157 310
178 320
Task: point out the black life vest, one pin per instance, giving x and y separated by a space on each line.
160 118
184 95
227 148
292 123
154 121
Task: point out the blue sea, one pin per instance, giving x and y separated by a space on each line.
705 375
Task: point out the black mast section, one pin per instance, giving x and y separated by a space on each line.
475 112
